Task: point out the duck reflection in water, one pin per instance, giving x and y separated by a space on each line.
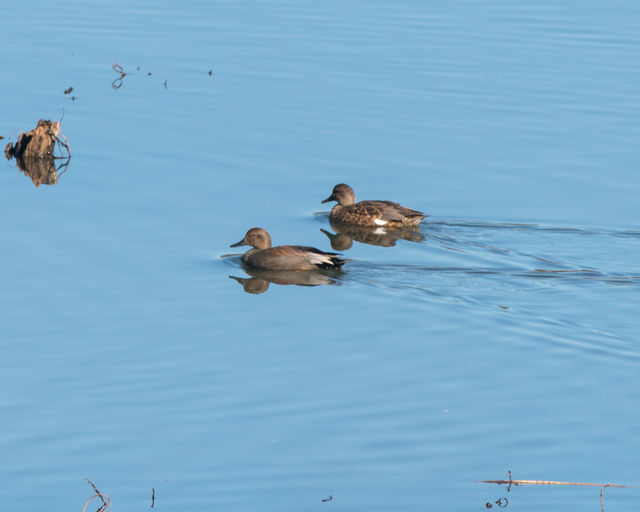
261 279
345 234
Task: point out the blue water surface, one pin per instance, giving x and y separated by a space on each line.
504 336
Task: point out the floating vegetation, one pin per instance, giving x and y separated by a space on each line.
117 83
500 502
69 91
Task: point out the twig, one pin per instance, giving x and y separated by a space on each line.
94 486
117 83
601 500
118 69
511 482
106 501
64 143
552 482
102 507
96 490
64 166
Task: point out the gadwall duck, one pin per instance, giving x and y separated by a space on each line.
370 213
284 257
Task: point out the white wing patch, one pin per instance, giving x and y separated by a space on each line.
318 259
380 222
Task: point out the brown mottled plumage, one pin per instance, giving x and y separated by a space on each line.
284 257
370 213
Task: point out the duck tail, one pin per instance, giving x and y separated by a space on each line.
330 261
337 261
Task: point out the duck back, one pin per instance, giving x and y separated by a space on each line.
376 213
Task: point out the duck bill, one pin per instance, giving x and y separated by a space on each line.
238 244
330 198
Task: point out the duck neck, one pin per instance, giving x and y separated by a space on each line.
251 251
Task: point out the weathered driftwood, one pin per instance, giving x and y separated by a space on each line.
37 143
34 152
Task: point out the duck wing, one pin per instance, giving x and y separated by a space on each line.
388 210
373 210
314 256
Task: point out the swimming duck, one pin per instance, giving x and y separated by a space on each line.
284 257
369 213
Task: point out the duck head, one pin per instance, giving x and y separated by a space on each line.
255 237
343 194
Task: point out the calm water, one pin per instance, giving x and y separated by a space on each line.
503 336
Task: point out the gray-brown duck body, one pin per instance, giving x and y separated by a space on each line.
284 257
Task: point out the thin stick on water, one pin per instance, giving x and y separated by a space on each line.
601 500
553 482
106 501
64 142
